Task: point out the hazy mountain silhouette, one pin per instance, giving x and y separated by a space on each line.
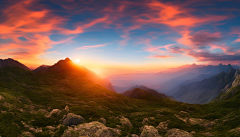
206 90
11 63
141 91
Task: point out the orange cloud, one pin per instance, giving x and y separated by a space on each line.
35 27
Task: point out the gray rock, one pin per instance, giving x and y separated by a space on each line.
54 111
125 122
149 131
67 108
73 119
163 126
178 133
103 120
208 134
26 134
145 121
193 132
94 128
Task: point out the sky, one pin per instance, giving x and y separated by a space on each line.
120 36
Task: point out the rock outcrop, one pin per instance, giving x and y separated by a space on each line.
178 133
54 111
149 131
163 126
103 120
73 119
95 129
125 122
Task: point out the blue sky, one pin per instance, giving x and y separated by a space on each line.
126 35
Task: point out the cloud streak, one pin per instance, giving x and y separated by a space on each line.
92 46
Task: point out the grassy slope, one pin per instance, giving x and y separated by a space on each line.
22 90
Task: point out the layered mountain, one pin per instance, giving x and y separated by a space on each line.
141 92
51 102
194 74
206 90
67 69
12 63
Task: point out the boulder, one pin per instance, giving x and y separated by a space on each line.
26 134
178 133
149 131
94 128
235 131
54 111
163 126
208 134
73 119
103 120
125 122
145 121
67 108
203 122
193 132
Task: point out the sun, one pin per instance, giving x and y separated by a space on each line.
77 60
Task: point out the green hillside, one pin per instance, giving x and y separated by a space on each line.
27 97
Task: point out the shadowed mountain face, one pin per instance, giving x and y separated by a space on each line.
40 69
11 63
206 90
66 69
142 92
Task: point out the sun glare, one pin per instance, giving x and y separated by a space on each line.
77 61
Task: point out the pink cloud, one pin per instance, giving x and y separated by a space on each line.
160 56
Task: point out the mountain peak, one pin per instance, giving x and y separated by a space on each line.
11 63
68 59
220 64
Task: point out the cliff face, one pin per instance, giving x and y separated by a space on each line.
11 63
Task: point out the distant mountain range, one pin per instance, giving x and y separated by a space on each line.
170 80
206 90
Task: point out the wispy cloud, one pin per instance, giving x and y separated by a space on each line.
92 46
160 56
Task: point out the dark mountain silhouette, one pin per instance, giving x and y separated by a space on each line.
40 69
144 91
12 63
206 90
138 94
